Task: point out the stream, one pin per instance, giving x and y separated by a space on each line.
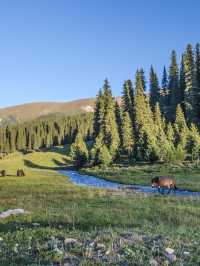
93 181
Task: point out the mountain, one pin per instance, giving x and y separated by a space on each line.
30 111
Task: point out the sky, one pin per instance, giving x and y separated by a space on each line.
61 50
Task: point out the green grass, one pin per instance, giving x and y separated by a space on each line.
63 209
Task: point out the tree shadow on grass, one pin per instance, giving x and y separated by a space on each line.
63 150
60 166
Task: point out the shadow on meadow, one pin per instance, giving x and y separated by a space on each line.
60 165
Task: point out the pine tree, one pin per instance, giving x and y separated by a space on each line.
197 86
98 143
118 117
145 148
79 151
164 81
193 143
104 157
128 98
127 134
173 87
182 84
189 83
109 125
164 147
98 114
181 134
154 95
143 78
164 97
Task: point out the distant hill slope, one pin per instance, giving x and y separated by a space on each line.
30 111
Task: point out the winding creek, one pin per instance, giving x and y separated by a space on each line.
92 181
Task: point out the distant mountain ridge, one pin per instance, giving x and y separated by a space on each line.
30 111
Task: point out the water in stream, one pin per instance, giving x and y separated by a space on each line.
92 181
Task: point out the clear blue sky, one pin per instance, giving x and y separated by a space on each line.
59 50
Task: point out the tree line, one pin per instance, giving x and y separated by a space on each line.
44 133
159 124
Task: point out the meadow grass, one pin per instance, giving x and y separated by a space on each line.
61 208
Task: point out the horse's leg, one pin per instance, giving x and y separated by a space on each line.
170 188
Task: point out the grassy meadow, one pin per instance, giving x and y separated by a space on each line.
132 229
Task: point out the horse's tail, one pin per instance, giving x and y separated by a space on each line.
175 187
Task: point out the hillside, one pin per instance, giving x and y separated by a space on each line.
31 111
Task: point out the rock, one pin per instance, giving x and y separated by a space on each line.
36 224
186 253
12 212
169 251
70 241
108 252
169 254
153 262
70 261
88 253
100 246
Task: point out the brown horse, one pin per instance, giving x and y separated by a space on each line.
164 182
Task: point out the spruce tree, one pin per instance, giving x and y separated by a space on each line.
94 153
104 157
193 143
98 114
154 94
128 98
173 87
145 148
127 134
109 125
143 78
164 97
164 81
162 141
182 84
181 134
118 116
79 151
197 85
189 84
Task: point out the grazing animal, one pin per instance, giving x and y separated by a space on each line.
3 173
164 182
20 172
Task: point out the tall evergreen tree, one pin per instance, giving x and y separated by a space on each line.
79 151
109 125
127 98
164 80
143 78
118 116
182 84
98 114
164 97
189 83
127 134
197 85
154 95
181 134
193 143
173 87
145 148
162 142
